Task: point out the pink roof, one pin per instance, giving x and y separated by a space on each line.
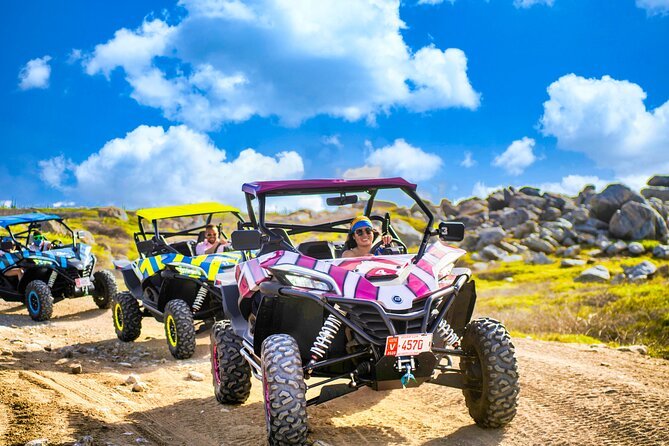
288 187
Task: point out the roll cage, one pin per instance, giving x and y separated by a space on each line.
33 221
151 240
263 189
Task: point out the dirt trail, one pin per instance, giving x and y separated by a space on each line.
571 395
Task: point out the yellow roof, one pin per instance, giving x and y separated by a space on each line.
184 210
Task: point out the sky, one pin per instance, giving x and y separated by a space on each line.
155 103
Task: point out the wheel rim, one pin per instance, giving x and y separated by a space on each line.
214 357
33 302
171 330
118 316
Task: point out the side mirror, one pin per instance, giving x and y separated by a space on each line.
452 231
342 200
246 240
80 234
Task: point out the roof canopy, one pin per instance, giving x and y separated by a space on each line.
184 210
10 220
296 187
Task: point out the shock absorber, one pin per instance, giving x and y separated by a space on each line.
52 278
199 299
451 339
324 339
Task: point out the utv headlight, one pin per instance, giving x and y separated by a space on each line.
306 282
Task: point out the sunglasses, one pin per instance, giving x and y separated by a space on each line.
361 231
38 238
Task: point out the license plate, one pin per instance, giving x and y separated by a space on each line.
408 344
82 282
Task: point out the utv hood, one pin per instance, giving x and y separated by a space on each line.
394 281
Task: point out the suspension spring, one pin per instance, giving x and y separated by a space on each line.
52 278
199 299
451 339
324 339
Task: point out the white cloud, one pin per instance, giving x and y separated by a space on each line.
606 120
152 167
294 60
571 185
35 74
332 140
398 159
362 172
482 191
517 157
54 171
468 161
529 3
654 7
63 204
75 56
5 203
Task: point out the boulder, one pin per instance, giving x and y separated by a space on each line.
531 191
524 229
522 201
513 218
447 208
635 248
472 206
659 180
638 221
492 252
657 192
551 213
469 242
112 212
496 201
616 248
568 263
606 203
586 195
512 258
659 206
53 227
661 252
537 244
572 251
579 215
597 273
87 237
558 201
640 271
489 236
538 258
508 247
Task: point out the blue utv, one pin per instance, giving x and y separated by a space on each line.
40 272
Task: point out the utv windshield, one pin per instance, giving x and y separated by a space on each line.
29 235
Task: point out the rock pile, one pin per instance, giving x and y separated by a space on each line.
525 224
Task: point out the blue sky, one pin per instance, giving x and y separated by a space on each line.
153 103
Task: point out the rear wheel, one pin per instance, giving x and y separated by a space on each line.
105 288
490 373
39 300
284 391
230 371
179 329
127 316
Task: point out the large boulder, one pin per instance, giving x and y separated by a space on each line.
597 273
489 236
637 221
53 227
525 229
447 208
496 201
492 252
551 213
606 203
113 212
658 192
585 197
512 218
537 244
523 201
661 252
659 180
472 206
532 191
640 271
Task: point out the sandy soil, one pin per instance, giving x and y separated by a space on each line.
571 394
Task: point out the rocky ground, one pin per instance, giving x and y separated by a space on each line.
69 381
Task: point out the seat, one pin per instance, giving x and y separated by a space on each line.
319 249
184 247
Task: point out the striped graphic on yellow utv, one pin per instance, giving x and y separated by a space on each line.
211 264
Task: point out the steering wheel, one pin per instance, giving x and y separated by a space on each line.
56 244
397 241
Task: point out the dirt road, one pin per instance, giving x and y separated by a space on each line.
571 394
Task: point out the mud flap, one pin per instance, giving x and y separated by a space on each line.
331 392
461 311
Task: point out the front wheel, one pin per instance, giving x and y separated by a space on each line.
127 317
179 329
284 391
230 371
490 373
105 288
39 300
